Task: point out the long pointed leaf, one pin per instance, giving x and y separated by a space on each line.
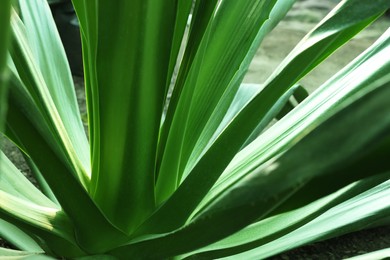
275 227
15 183
128 106
45 41
18 238
254 196
219 57
87 15
360 74
363 211
36 88
49 224
72 197
318 44
22 255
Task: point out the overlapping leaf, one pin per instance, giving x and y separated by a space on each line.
361 74
315 47
207 87
176 169
268 186
266 232
35 125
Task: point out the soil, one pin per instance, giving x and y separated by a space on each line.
304 15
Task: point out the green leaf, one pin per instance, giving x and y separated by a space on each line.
15 254
200 178
35 125
5 14
200 19
87 16
365 72
183 10
18 238
15 183
97 257
126 107
363 211
48 52
37 89
273 228
49 224
309 159
269 185
314 48
278 108
38 176
210 85
72 197
300 93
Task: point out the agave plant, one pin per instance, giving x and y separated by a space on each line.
207 178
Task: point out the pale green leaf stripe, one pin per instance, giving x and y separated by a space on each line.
51 224
269 185
244 94
13 182
50 220
183 10
201 16
228 37
36 86
359 211
277 226
67 189
213 126
354 77
6 253
256 195
306 43
87 15
46 47
20 132
18 238
131 67
207 170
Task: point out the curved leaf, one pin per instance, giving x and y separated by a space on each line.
362 74
46 47
268 186
36 88
18 238
275 227
15 254
211 83
363 211
313 49
49 224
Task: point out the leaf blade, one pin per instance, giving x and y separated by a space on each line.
207 170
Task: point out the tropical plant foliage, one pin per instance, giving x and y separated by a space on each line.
206 178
